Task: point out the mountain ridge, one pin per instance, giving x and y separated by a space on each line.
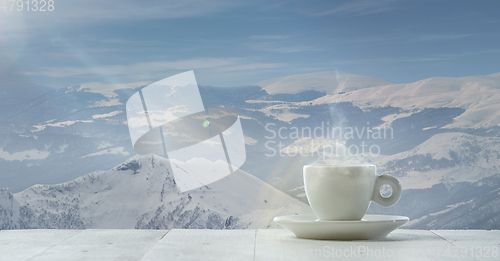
141 193
328 82
445 136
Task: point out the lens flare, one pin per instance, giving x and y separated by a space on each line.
12 38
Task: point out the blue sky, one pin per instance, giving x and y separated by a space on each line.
233 43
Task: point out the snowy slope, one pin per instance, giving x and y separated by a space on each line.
445 133
327 82
141 193
57 136
478 95
478 208
444 158
447 158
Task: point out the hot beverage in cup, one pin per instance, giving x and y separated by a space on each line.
344 192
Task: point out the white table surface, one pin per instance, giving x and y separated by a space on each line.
261 244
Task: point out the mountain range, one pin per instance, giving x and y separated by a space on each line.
141 193
443 144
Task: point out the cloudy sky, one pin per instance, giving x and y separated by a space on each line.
233 43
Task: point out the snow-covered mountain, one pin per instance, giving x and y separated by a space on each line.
466 206
451 181
62 134
445 148
479 96
327 82
141 193
444 135
444 158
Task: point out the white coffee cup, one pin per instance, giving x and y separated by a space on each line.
344 192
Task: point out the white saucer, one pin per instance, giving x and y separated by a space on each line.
371 226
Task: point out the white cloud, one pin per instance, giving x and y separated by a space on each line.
440 57
270 37
438 37
277 43
209 71
249 67
406 38
280 48
145 70
359 7
437 57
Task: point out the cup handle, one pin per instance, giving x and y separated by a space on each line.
396 190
